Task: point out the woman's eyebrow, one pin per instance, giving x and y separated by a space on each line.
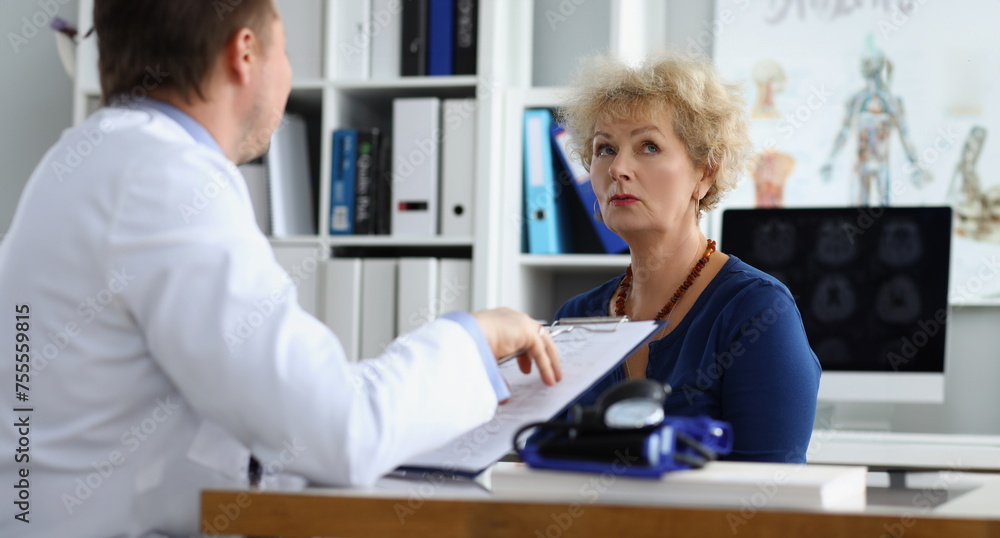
637 131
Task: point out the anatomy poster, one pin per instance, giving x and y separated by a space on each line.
872 103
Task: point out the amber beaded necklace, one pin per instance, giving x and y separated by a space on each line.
668 309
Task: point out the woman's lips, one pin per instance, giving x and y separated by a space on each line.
623 199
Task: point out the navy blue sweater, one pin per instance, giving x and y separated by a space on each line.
739 355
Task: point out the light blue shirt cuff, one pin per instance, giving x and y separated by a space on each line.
485 353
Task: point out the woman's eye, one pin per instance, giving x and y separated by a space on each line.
650 147
603 150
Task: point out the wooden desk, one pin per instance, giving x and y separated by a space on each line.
395 514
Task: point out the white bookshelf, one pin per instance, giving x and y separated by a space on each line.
515 39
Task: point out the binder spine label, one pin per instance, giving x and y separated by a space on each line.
342 184
466 34
364 206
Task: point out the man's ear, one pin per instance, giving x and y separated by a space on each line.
240 54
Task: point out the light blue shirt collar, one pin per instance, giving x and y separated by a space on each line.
193 128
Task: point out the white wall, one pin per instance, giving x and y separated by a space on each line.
35 93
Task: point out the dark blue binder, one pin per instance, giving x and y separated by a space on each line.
441 29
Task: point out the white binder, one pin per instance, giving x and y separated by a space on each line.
342 303
458 167
303 21
454 285
378 305
351 45
387 32
302 265
415 169
289 180
418 293
255 176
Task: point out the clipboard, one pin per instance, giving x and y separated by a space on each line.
565 325
589 349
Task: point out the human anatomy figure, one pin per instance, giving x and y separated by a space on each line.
770 170
874 112
977 213
770 79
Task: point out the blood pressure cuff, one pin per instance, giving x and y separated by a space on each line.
677 443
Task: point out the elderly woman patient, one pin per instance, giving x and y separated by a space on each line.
663 142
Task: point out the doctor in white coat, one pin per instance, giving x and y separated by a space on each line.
155 344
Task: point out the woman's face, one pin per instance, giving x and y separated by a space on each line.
643 177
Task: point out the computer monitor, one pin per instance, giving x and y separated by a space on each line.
872 286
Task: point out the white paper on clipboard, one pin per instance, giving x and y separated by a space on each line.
587 351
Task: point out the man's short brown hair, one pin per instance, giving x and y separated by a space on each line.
148 44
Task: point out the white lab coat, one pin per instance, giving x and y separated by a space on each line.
167 343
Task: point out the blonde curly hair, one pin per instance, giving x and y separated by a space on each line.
708 115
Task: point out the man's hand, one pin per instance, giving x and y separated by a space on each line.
509 331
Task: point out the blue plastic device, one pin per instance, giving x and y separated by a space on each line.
677 443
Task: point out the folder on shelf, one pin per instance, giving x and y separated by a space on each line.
345 144
365 172
416 150
589 348
458 166
466 36
440 32
306 17
255 176
413 45
585 192
454 285
541 208
386 42
342 302
378 305
352 40
382 193
418 293
289 179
